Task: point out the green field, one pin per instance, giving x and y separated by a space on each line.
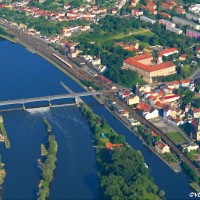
102 37
176 137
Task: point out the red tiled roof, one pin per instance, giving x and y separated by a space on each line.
148 68
110 145
185 81
171 96
160 105
142 57
167 5
160 144
167 51
183 56
165 14
142 106
195 110
153 134
151 4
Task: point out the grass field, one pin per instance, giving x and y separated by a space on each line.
176 137
103 37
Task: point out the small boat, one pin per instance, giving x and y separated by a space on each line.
145 164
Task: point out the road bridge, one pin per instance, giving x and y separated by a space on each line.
50 98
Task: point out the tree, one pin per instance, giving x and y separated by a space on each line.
196 103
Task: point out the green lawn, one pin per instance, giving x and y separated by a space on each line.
176 137
104 37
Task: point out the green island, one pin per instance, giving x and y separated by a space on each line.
48 125
47 165
2 172
3 132
122 172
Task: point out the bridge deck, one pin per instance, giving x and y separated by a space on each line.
50 98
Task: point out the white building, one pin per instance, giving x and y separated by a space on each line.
151 115
146 19
166 23
184 22
190 16
174 30
161 147
190 147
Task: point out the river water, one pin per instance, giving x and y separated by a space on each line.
23 75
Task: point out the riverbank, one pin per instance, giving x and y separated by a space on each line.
120 166
140 138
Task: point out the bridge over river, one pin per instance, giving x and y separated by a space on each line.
48 99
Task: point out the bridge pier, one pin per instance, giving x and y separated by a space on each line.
77 100
50 104
23 106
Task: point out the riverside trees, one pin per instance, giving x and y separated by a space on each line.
122 172
47 166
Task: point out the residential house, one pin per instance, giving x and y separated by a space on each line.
165 15
170 98
195 112
124 93
190 147
143 107
151 115
136 12
132 99
124 113
167 6
182 57
185 82
66 6
161 147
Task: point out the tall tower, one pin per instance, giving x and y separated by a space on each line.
198 131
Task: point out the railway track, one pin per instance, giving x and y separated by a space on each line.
80 74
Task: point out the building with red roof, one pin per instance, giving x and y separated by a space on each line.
167 6
143 106
110 145
165 15
161 147
143 64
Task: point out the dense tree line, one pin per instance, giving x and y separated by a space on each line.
190 172
122 172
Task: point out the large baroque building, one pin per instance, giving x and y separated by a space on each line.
143 64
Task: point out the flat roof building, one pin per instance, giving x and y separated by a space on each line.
174 30
184 22
146 19
166 23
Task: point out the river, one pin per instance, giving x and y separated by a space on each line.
23 75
